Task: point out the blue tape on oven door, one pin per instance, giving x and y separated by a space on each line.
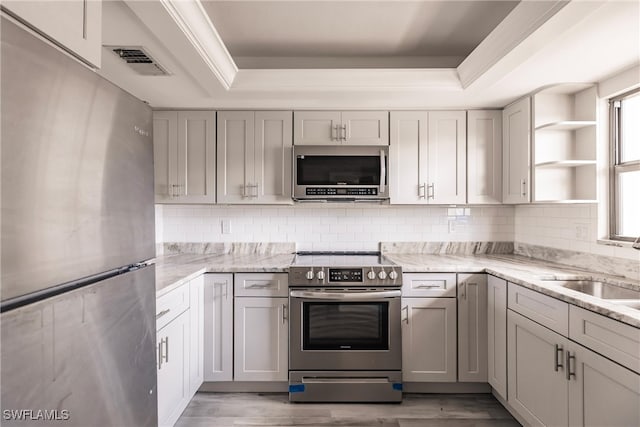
397 386
296 388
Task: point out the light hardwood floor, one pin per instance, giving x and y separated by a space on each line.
274 409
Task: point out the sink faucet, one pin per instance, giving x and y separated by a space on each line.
636 244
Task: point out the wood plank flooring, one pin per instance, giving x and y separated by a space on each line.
274 409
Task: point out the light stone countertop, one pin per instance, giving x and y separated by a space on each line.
174 270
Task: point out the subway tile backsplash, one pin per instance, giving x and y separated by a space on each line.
332 227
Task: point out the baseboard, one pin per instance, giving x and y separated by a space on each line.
245 387
447 388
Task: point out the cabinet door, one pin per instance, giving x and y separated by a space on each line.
447 157
218 327
273 151
484 157
429 339
165 152
537 390
317 128
173 369
365 127
196 157
602 393
472 327
516 123
497 334
408 157
196 334
236 157
260 339
76 25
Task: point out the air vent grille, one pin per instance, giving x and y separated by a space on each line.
138 60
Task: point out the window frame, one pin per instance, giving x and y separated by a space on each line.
616 167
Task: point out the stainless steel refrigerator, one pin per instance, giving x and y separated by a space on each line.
77 298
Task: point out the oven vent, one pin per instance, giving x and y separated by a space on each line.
138 60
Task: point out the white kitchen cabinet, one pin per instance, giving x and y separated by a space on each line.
184 156
516 124
497 334
601 392
218 327
564 143
254 157
472 327
341 127
261 339
538 389
173 369
428 155
429 340
196 334
74 25
484 157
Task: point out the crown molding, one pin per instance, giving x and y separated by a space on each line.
194 22
443 79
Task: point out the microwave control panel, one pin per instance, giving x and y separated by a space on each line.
333 191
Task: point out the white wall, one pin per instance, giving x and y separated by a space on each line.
571 227
332 227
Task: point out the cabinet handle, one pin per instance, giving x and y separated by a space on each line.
558 360
344 133
160 353
254 193
166 347
406 310
568 362
284 314
334 132
422 192
432 193
175 190
162 313
523 184
463 288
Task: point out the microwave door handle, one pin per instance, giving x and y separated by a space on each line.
383 172
345 296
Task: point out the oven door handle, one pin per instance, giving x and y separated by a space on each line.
345 296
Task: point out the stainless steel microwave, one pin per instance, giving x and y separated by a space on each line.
340 173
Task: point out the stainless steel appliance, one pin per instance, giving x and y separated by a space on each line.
344 330
78 300
340 173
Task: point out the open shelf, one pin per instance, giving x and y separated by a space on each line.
566 125
565 163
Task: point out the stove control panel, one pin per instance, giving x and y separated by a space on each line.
351 276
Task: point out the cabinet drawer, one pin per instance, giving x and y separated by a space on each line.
169 306
612 339
429 285
261 285
549 312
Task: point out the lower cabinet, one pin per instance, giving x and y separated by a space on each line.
429 339
497 334
218 327
196 334
173 369
261 339
472 327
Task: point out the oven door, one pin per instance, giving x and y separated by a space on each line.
340 172
334 329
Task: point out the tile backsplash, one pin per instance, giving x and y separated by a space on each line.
333 227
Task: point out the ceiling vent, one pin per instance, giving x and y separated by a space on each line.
138 60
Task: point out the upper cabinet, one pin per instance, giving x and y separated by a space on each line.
184 156
74 25
428 156
336 127
484 157
254 157
516 123
564 144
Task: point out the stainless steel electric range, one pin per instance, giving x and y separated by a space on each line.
345 340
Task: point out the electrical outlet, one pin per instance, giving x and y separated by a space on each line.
452 226
226 226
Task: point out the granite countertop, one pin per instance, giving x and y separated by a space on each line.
530 273
174 270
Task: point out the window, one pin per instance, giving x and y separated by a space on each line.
625 166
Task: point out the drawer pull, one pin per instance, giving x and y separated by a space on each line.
162 313
429 287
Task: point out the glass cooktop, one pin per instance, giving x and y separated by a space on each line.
337 259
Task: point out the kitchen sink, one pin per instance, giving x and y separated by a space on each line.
598 289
